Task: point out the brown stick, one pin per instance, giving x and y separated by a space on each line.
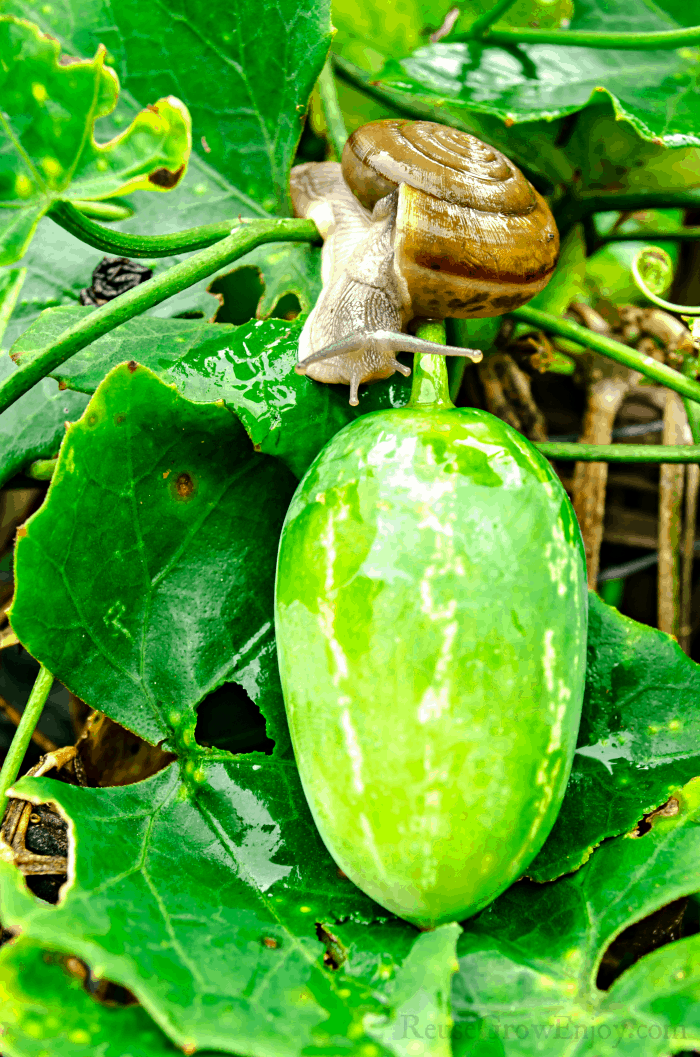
606 392
692 485
39 739
670 503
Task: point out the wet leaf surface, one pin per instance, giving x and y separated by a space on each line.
655 91
639 737
207 911
250 368
528 962
47 140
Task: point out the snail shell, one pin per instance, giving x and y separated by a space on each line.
473 236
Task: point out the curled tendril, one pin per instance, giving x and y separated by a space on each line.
652 271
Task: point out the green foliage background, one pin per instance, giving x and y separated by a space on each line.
145 580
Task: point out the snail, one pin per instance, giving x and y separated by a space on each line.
419 220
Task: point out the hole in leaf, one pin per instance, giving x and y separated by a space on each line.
239 293
288 307
102 990
667 810
229 719
655 931
335 954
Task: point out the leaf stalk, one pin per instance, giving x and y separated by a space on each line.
337 132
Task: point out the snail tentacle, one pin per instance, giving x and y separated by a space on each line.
386 341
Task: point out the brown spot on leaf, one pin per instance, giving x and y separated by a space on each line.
165 474
205 146
269 942
21 532
166 178
119 419
152 107
62 385
508 121
132 365
184 486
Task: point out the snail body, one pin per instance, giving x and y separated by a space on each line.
419 221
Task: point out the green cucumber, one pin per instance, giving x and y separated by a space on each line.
431 613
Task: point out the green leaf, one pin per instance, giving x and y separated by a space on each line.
45 1009
283 270
169 592
207 905
655 91
46 135
250 368
34 426
639 737
528 963
247 108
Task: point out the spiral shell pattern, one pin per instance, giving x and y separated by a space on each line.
473 236
451 165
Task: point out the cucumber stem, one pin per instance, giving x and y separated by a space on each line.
431 386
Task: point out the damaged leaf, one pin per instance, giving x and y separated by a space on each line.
45 1008
247 108
639 737
47 139
145 581
206 909
528 963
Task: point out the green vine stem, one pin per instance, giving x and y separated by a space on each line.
692 409
23 734
615 350
120 242
337 132
37 364
580 38
430 387
658 453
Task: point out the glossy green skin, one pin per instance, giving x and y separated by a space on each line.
431 624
